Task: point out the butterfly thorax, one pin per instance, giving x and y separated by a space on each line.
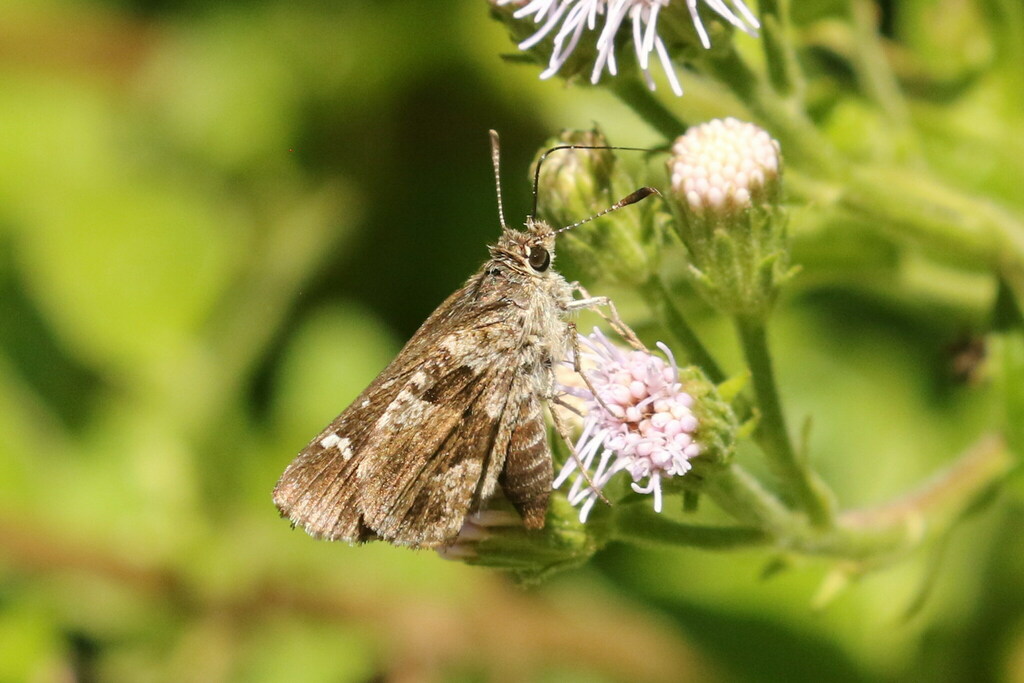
540 295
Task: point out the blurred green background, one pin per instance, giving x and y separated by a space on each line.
220 220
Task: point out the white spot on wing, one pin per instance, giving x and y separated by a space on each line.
343 444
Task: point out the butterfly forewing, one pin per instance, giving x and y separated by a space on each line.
424 496
319 490
458 408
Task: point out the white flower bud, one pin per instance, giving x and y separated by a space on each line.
726 184
723 165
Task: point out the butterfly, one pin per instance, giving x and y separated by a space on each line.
457 415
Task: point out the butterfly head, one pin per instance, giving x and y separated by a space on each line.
531 251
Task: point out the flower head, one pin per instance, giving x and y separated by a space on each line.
726 184
638 419
723 164
477 527
569 20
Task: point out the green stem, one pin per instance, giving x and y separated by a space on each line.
642 101
779 56
926 512
808 491
660 301
913 205
784 117
742 496
873 69
942 219
638 523
870 537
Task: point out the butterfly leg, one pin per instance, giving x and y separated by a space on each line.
574 346
563 432
574 343
596 303
557 400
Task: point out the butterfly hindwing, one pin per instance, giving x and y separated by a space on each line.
528 472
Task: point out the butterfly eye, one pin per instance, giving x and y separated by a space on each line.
539 259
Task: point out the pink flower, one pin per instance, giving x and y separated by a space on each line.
643 423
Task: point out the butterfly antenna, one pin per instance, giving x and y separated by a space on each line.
495 159
540 162
631 198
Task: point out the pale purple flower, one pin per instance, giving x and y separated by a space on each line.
645 426
570 19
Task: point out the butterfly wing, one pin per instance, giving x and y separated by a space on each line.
528 472
442 461
319 490
426 441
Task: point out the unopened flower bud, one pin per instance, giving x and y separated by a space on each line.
575 183
726 186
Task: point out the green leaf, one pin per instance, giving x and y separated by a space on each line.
125 272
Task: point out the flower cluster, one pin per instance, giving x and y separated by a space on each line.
720 164
639 420
569 20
